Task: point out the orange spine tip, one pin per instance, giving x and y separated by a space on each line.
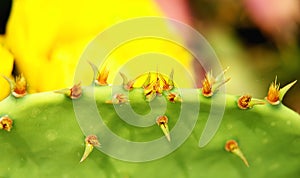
207 87
102 77
20 87
167 85
155 87
211 84
273 93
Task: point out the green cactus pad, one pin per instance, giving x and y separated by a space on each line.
47 141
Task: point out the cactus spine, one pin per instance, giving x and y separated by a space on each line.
43 139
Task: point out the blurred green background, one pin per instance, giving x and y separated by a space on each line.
257 37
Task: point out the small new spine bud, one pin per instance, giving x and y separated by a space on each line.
118 98
211 84
6 123
100 78
233 147
246 102
74 93
275 95
20 87
167 85
90 142
207 86
174 97
127 84
162 122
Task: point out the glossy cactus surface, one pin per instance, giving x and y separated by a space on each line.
46 140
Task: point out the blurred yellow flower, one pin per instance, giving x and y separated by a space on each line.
6 67
47 38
